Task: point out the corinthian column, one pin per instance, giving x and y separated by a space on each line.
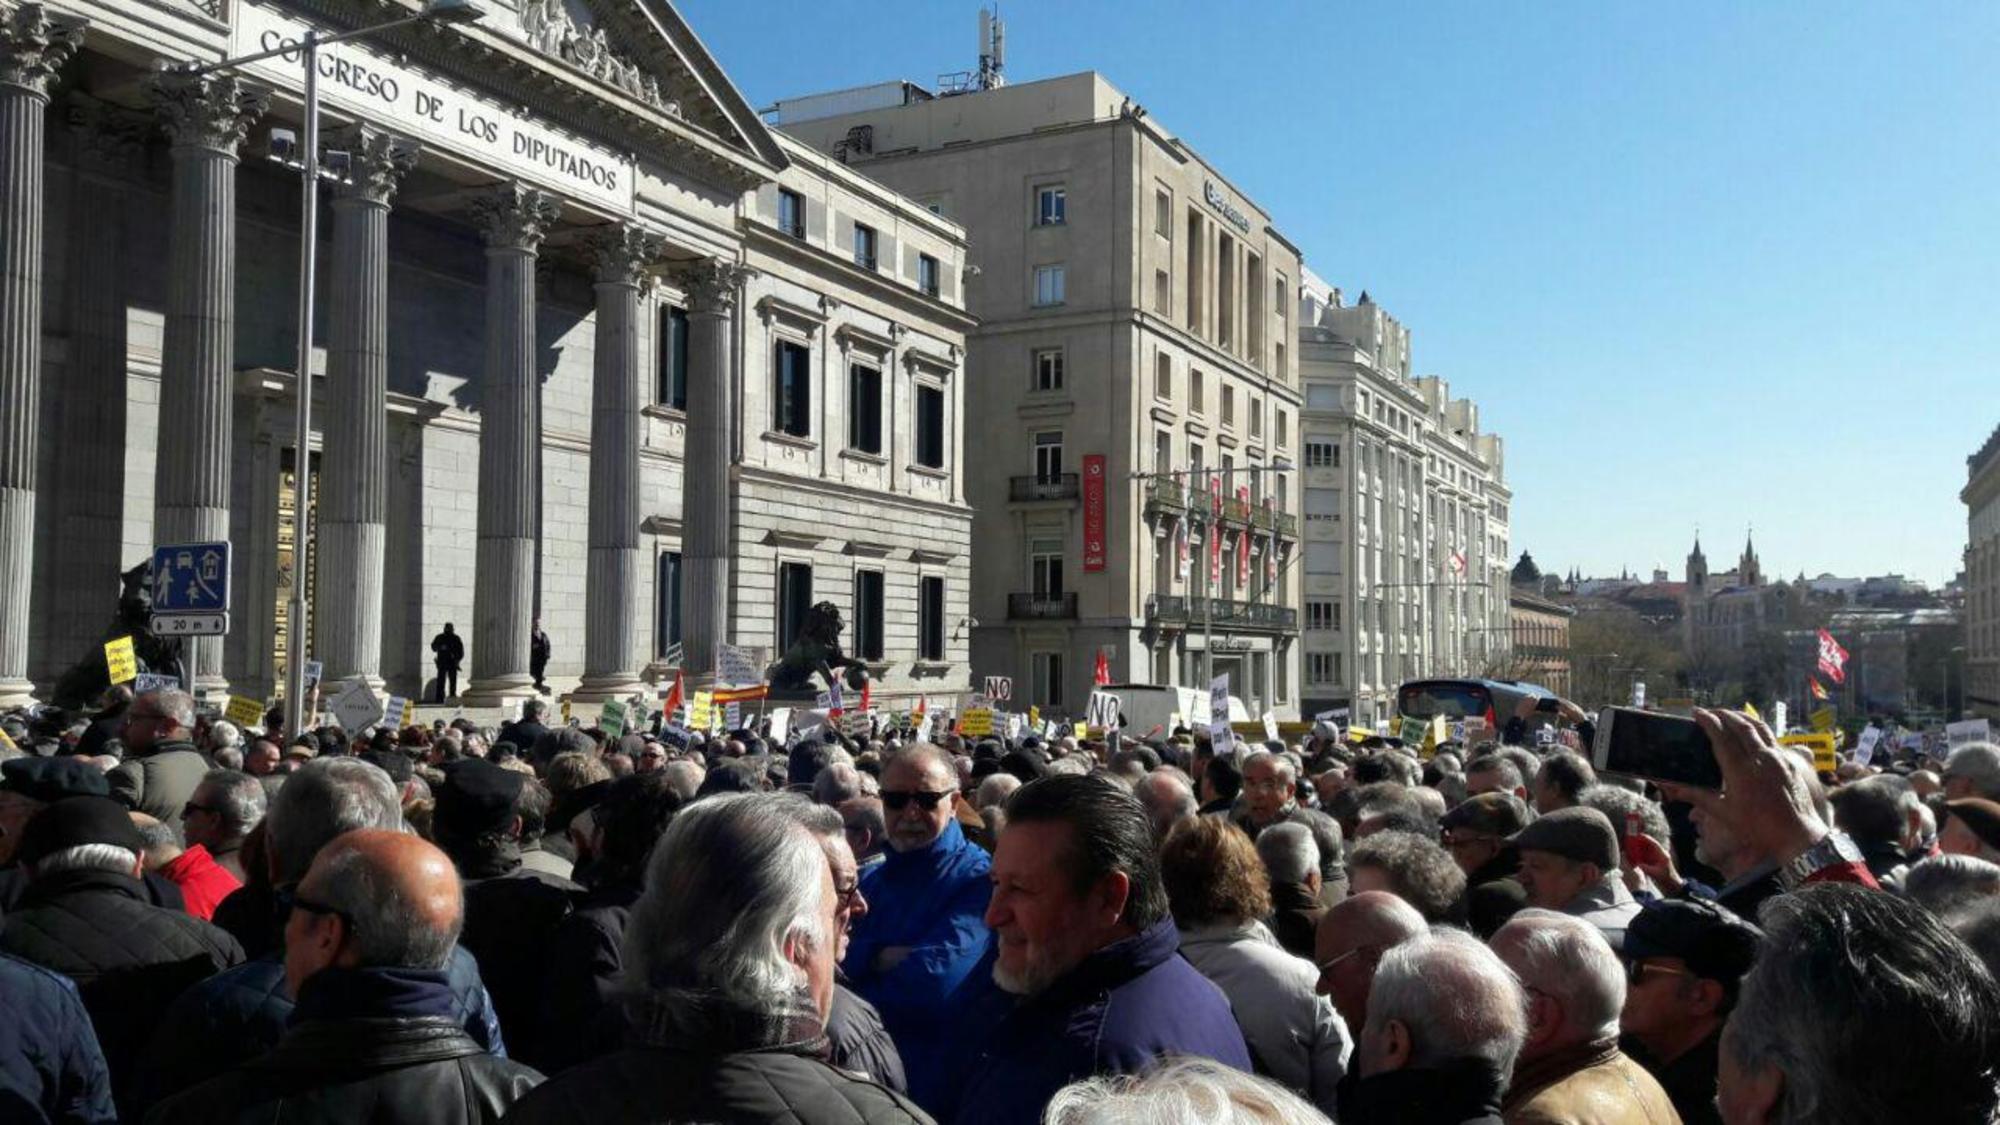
32 49
206 117
706 534
623 254
513 219
353 499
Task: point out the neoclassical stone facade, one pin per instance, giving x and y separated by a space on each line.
543 365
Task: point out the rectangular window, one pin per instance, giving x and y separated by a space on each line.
1049 285
930 427
791 398
868 614
1048 456
1163 293
1284 429
1322 455
1320 668
673 357
1228 405
1197 393
1051 205
1163 376
1047 670
864 246
667 603
1045 568
1256 417
795 599
864 409
1319 614
1048 369
927 274
1163 452
791 213
1163 213
930 618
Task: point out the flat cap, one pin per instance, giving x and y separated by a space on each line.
477 797
1491 814
1714 942
75 821
52 779
1581 835
1980 815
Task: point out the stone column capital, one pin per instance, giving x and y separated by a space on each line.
514 216
107 139
212 111
33 47
711 285
377 161
623 253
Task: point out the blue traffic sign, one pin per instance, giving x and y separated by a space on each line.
191 578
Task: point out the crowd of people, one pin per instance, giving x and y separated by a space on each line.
544 923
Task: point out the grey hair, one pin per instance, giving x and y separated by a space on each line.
1328 837
1284 763
391 930
684 777
1288 852
1945 883
1510 774
823 821
917 752
223 734
836 783
322 799
241 798
734 879
86 857
1616 803
161 834
1189 1090
1456 997
176 705
1979 763
1071 765
1569 959
995 789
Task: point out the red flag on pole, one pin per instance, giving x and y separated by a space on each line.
1832 658
1818 692
676 695
1102 675
867 693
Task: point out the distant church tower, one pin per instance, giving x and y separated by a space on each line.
1748 572
1697 569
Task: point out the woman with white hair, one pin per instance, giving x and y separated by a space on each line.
1187 1091
729 975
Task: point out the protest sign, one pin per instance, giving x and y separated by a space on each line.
735 664
1824 747
1219 732
1864 750
152 681
1970 730
244 711
611 720
1823 719
356 707
1270 726
999 688
120 661
976 722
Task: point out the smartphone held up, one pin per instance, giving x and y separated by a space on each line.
1655 746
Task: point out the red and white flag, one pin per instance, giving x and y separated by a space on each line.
1102 674
1457 562
676 696
1832 658
1818 691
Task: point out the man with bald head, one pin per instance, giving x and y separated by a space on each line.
371 929
1352 937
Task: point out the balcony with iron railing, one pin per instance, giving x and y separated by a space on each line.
1056 486
1176 609
1165 493
1041 607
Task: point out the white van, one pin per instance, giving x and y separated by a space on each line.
1145 706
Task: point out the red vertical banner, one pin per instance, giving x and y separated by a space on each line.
1243 540
1214 558
1093 511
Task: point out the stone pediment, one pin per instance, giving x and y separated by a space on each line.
644 49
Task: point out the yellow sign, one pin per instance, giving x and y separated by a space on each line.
565 710
1082 731
121 661
1358 734
976 721
1826 756
245 711
701 713
1035 717
1823 719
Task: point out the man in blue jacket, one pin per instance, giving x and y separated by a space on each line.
919 955
51 1069
1089 951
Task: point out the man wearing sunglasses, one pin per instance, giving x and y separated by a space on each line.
917 955
162 767
1684 961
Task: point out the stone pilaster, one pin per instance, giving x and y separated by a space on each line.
354 488
624 256
206 118
513 218
106 146
32 48
706 533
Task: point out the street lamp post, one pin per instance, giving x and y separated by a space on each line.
307 48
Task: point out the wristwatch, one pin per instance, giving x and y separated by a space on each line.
1833 848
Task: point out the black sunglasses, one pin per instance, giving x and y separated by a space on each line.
288 899
898 800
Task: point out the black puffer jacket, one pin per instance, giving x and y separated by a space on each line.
129 959
662 1085
511 915
381 1070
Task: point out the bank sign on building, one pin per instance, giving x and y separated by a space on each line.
586 351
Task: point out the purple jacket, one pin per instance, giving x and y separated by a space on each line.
1128 1004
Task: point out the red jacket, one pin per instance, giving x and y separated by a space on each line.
203 882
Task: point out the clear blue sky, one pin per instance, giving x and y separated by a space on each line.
1699 264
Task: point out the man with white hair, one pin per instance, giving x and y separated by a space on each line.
1168 798
225 807
86 916
1291 860
162 765
1446 1021
1570 1066
1270 792
729 959
1973 770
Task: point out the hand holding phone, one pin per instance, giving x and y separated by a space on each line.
1655 746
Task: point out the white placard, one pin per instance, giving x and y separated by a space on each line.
1864 750
999 687
1638 693
1102 710
1270 726
1780 714
737 665
1968 730
356 707
371 83
1218 713
781 723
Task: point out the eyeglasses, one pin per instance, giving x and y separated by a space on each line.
289 899
848 895
1635 971
897 800
1327 965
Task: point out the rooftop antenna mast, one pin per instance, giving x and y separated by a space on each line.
992 49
